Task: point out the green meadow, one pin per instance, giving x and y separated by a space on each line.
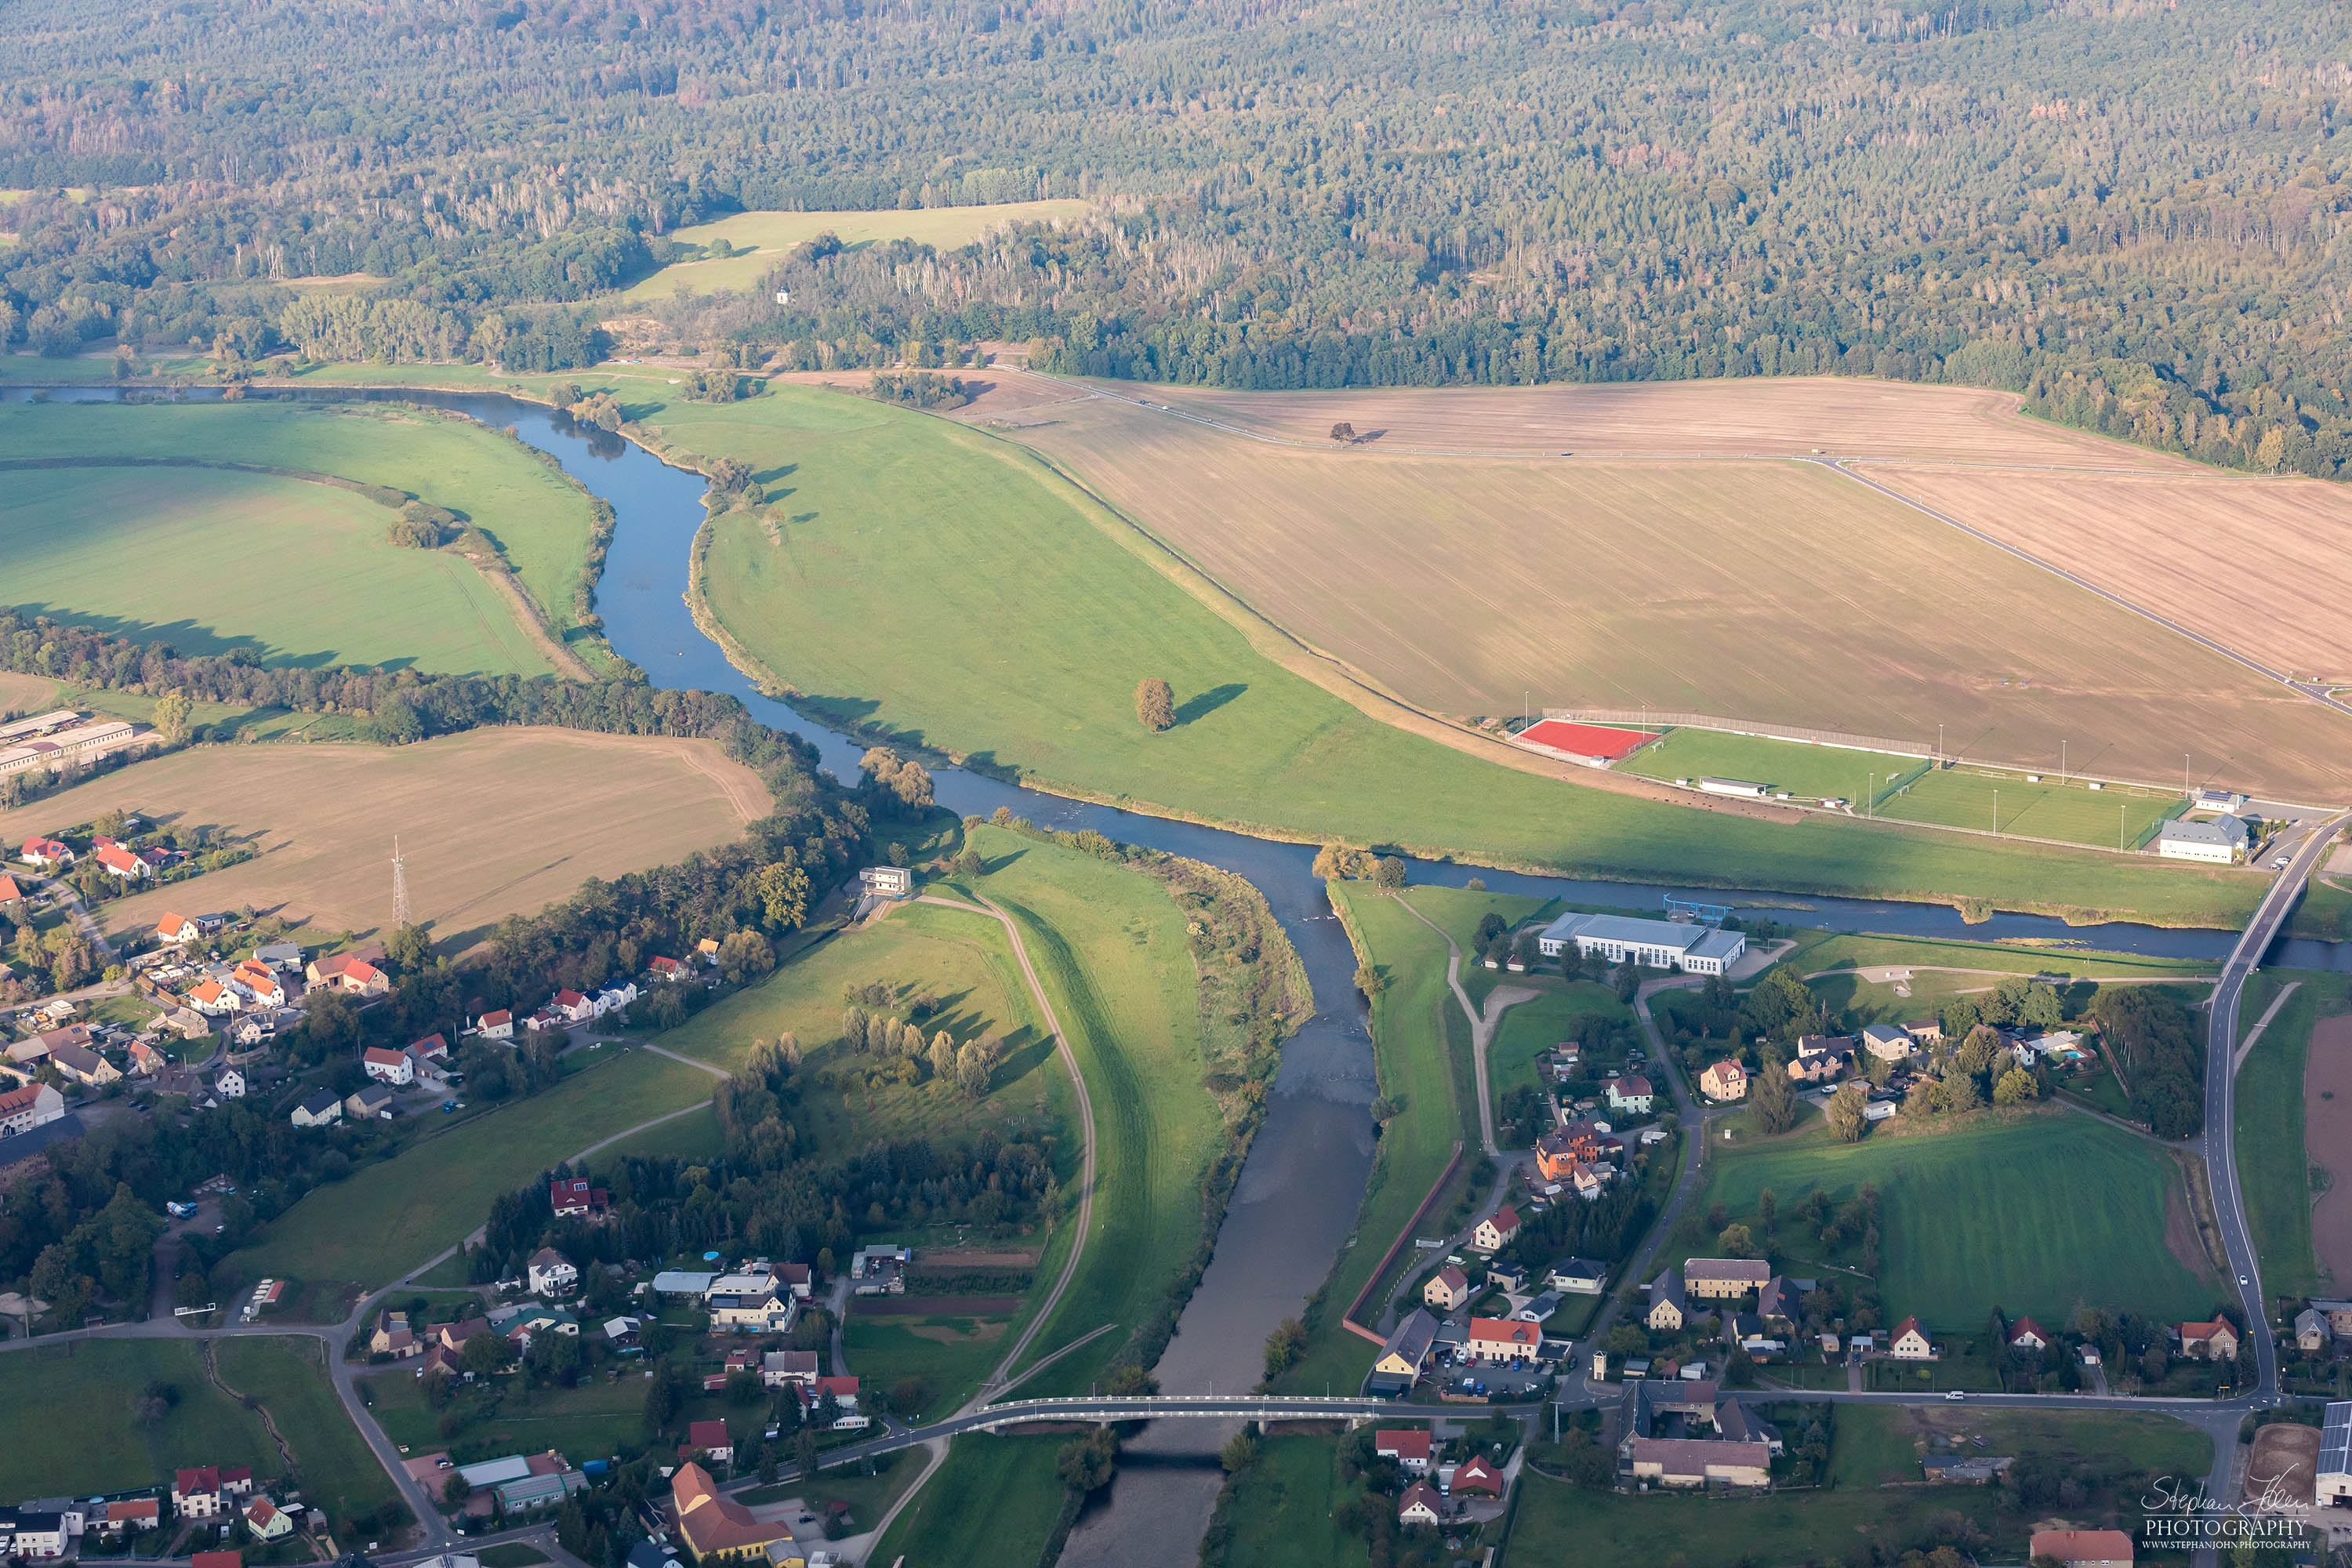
340 1473
209 561
2118 816
80 1398
2274 1156
2033 1213
1038 612
541 522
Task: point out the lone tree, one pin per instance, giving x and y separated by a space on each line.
1155 704
1343 431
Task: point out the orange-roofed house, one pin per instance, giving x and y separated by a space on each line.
1502 1339
346 972
9 891
387 1065
117 861
1478 1476
45 852
2084 1548
176 930
717 1526
2216 1341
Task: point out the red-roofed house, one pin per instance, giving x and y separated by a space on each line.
387 1065
132 1513
1409 1448
346 972
1447 1289
197 1493
9 891
46 852
2084 1548
1496 1231
1420 1505
573 1006
844 1394
119 862
573 1196
212 998
710 1437
266 1519
666 968
1502 1339
2025 1334
2216 1341
498 1025
1478 1476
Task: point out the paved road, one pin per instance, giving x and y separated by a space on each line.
2217 1143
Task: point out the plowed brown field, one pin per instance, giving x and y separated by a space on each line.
491 823
1767 590
2262 565
2327 1134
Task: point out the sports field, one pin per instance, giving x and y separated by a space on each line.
1039 614
767 235
344 1232
540 521
1803 769
1990 1217
1997 801
490 822
2155 539
296 573
1778 590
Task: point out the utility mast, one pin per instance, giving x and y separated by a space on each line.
399 889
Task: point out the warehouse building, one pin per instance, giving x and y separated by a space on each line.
1654 945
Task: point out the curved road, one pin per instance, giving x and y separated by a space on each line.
2217 1142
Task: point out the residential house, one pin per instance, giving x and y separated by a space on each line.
2338 1315
2216 1341
388 1066
574 1007
199 1493
452 1337
1700 1462
849 1418
2083 1548
394 1337
1404 1355
1447 1289
1781 1301
35 1534
84 1066
267 1521
372 1103
186 1023
1630 1094
718 1528
46 853
1734 1422
230 1084
213 999
1561 1151
887 881
145 1060
1409 1447
2311 1330
1578 1276
176 931
572 1198
778 1368
796 1279
1476 1477
498 1025
710 1437
259 983
551 1273
1726 1080
759 1312
9 892
319 1109
1503 1339
707 949
667 970
130 1514
117 861
613 998
1669 1306
1494 1232
1420 1505
1910 1342
1821 1058
1591 1181
250 1031
1925 1032
285 956
521 1325
348 973
1887 1042
1722 1278
2025 1334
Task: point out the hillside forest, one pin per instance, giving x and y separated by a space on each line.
2133 214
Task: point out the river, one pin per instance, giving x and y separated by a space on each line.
1296 1199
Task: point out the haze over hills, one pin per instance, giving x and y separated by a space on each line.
2136 215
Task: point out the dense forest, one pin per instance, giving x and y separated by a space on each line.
2133 213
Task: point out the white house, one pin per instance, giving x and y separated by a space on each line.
230 1084
887 881
319 1109
572 1007
1654 945
551 1273
388 1066
613 998
1631 1093
29 1106
2220 842
498 1025
1910 1342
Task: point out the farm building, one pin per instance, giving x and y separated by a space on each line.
1655 944
2220 842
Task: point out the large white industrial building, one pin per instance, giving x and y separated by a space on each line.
1654 945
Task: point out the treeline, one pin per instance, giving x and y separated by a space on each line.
2156 1042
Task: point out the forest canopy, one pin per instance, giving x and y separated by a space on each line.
2135 216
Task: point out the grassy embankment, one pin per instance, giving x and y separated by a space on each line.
1987 1213
2274 1158
1005 1485
346 1234
1421 1046
1557 1521
1041 612
340 1472
542 523
298 573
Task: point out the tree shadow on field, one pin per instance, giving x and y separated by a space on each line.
1208 701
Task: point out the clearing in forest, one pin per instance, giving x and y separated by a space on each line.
493 822
1776 591
761 239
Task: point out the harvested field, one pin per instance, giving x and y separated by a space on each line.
1780 592
492 821
2158 539
2284 1464
2327 1135
27 693
1786 416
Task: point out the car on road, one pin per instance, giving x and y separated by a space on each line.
2243 1280
1956 1393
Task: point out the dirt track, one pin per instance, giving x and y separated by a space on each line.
2327 1134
